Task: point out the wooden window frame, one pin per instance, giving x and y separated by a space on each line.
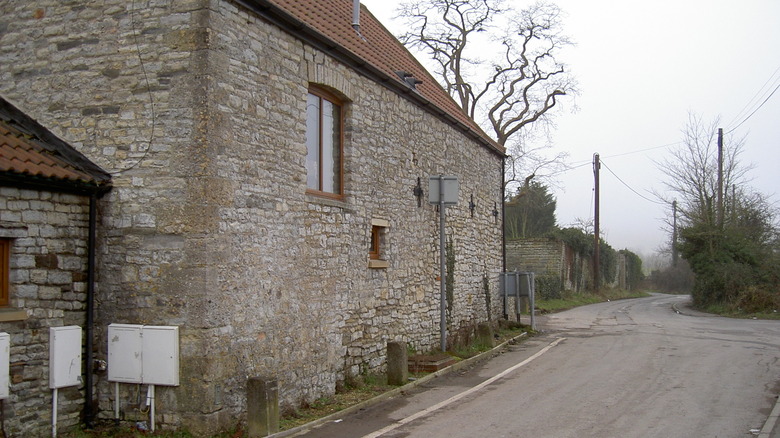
377 244
334 100
5 268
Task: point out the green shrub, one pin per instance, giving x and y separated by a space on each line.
548 286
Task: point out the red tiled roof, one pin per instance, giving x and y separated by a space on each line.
31 156
19 154
379 49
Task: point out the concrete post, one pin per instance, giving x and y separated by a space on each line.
397 363
262 407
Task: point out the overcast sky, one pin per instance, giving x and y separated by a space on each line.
642 67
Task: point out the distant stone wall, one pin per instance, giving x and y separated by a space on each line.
48 282
209 226
545 256
553 257
541 255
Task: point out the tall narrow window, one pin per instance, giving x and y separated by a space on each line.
5 267
323 143
374 251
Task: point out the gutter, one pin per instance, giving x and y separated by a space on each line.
89 413
89 360
503 228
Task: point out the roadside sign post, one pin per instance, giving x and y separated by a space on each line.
443 191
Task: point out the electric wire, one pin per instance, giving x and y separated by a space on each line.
631 188
148 88
583 163
755 110
756 96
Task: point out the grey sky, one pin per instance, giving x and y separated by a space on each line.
642 67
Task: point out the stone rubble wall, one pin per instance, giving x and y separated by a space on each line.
550 256
209 226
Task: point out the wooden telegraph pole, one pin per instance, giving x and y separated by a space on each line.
674 233
596 261
720 178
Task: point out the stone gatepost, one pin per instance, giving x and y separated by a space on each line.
397 364
262 411
485 334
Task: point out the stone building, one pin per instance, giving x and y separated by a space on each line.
46 191
269 163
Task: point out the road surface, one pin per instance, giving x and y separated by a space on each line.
632 368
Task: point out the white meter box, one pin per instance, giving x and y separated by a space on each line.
5 360
124 353
64 356
143 354
160 355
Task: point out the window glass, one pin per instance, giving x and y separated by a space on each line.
323 143
313 142
331 148
374 249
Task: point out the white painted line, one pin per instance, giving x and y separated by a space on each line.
459 396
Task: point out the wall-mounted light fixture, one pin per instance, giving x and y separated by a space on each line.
418 192
472 205
495 211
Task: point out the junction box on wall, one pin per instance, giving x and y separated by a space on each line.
143 355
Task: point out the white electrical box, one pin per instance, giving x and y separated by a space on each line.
64 356
143 354
160 355
124 353
5 362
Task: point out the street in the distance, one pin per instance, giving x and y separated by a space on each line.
633 368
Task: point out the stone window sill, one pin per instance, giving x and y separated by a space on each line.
378 264
11 314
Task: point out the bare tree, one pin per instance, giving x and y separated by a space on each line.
515 87
732 249
692 171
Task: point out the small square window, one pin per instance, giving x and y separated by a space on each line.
377 244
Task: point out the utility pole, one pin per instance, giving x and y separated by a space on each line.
596 261
674 233
720 178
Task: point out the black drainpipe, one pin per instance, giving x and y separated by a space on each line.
88 406
503 228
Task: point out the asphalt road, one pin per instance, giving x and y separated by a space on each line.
633 368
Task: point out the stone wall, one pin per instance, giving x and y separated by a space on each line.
546 256
536 255
209 227
48 261
554 257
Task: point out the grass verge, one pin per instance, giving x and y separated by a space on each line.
571 300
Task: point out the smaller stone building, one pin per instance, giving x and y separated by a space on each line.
46 191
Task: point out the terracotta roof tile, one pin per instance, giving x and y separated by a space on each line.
378 47
21 155
31 155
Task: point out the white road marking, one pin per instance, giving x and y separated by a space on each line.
459 396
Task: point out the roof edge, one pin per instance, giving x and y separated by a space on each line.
299 29
51 142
